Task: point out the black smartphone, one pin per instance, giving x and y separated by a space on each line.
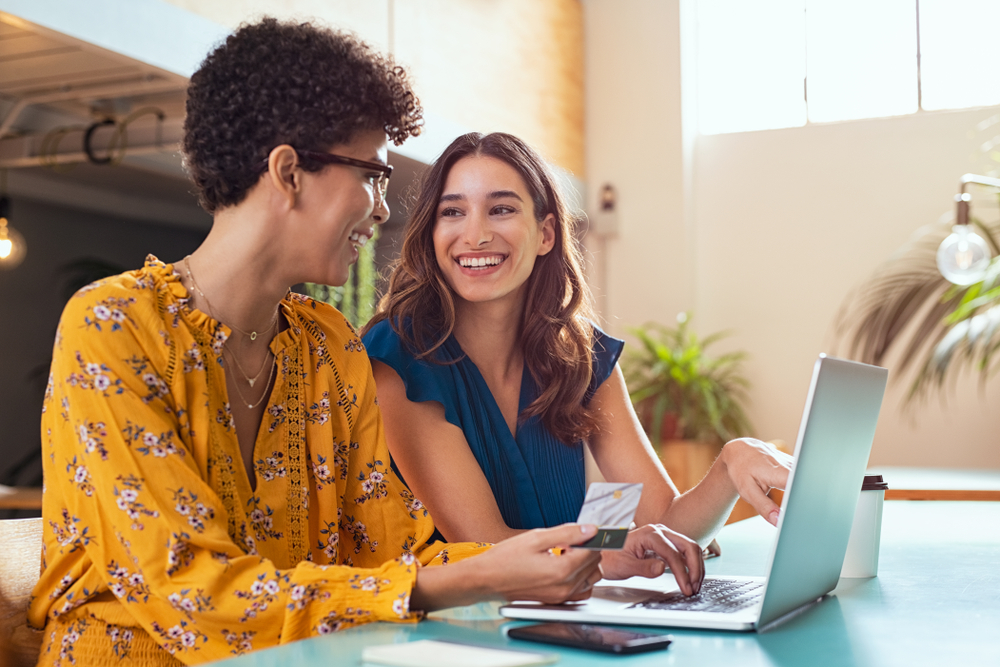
591 637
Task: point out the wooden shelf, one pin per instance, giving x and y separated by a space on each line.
20 498
942 494
910 483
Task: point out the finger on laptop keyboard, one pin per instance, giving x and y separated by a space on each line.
682 555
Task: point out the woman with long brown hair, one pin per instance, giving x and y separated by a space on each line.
492 374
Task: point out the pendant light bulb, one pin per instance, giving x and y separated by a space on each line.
964 256
12 244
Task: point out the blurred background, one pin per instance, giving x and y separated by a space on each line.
752 163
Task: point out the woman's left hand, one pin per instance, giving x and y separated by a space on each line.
754 468
649 550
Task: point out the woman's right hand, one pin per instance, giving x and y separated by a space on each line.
537 565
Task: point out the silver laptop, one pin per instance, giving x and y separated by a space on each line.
835 439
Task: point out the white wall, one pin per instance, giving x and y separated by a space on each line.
634 141
789 221
781 225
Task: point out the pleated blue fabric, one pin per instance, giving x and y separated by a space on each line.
538 481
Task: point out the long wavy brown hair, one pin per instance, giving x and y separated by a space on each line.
556 325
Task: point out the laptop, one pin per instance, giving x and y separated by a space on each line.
831 454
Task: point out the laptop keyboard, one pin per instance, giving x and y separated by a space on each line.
718 595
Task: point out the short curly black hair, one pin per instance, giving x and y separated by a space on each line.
273 83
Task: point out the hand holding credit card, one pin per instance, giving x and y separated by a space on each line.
611 507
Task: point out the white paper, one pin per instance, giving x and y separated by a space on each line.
433 653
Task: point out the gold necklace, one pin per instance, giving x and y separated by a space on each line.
246 376
252 335
267 386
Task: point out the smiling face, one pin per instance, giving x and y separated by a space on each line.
338 209
486 236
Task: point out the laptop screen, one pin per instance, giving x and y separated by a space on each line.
831 454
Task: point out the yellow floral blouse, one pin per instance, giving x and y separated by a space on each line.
156 548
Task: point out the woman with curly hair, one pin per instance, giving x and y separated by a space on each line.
217 479
492 375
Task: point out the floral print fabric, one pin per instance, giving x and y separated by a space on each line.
154 536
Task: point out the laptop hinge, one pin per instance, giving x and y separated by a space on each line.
790 615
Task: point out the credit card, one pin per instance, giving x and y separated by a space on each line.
611 507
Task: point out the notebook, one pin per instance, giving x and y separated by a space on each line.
444 653
831 454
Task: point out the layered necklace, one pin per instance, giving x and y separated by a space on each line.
251 336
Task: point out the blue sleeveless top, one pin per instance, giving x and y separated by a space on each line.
538 481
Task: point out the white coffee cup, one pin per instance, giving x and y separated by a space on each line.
861 559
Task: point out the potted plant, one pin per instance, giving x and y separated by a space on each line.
689 402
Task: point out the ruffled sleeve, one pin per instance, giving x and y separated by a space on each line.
424 381
607 350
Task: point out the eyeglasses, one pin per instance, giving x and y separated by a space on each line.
385 170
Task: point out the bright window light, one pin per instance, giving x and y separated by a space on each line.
958 46
751 65
861 58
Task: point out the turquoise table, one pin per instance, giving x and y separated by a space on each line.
936 601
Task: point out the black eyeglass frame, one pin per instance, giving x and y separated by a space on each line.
382 185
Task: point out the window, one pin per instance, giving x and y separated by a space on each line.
958 45
764 64
750 78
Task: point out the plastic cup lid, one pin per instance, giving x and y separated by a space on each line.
874 483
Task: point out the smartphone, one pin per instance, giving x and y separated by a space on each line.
591 637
